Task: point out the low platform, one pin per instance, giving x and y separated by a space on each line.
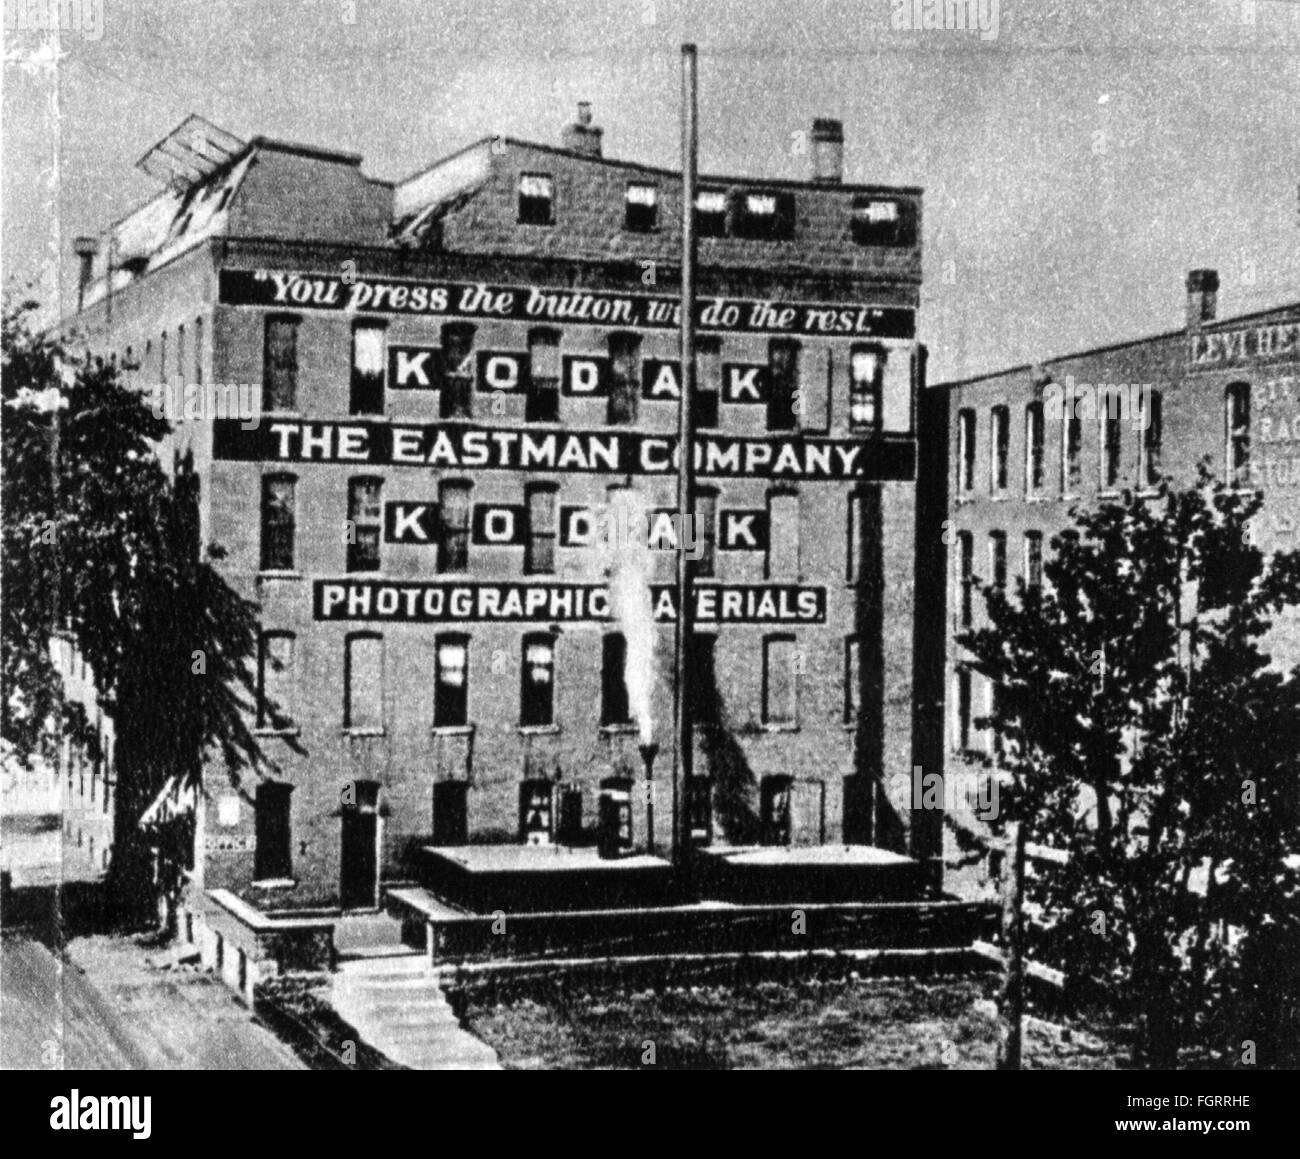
532 878
772 874
548 878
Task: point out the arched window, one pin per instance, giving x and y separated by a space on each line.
999 448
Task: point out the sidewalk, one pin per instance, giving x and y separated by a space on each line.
178 1018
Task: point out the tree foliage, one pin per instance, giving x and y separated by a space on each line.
101 544
1143 730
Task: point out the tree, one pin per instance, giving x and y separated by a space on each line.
102 545
1141 729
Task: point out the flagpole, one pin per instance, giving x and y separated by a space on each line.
682 715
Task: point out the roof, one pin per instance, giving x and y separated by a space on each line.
1283 309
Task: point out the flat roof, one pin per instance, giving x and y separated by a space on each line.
1164 336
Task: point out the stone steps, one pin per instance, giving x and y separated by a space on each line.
396 1004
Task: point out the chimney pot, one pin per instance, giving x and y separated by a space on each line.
1202 297
582 136
85 248
827 151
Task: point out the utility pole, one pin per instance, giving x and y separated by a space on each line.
682 714
1011 1004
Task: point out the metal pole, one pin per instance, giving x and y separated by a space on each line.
682 716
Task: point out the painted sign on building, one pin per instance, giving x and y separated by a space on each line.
407 296
1244 346
552 603
459 446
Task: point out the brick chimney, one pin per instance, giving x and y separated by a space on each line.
85 248
827 151
1202 297
582 136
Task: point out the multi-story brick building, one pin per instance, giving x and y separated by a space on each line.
1223 392
453 376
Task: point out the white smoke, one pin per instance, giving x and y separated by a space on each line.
630 564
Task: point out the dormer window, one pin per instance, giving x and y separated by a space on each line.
883 221
642 208
536 199
711 213
766 216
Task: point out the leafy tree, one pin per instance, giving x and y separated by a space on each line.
1142 730
101 545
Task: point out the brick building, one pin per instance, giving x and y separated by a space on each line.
1225 392
453 377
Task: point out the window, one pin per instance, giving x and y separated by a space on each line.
367 397
866 373
180 354
537 681
782 384
999 448
1034 432
965 578
198 350
708 383
542 404
764 216
458 370
782 535
453 525
536 199
365 521
852 679
883 221
277 522
1112 436
998 559
965 452
702 677
1236 416
363 708
1034 559
711 213
272 851
614 708
280 364
961 710
1152 440
275 680
642 208
451 682
706 531
992 737
624 377
539 552
780 682
162 357
1071 451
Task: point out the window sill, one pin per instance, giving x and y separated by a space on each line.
276 883
364 732
452 730
285 732
619 729
966 497
539 730
1109 493
276 574
1037 497
778 728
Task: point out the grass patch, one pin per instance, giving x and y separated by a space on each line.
818 1024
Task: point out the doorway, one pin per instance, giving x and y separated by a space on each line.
359 850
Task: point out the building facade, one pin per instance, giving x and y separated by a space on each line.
416 409
1220 392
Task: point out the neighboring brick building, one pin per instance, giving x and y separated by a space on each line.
455 374
1224 392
